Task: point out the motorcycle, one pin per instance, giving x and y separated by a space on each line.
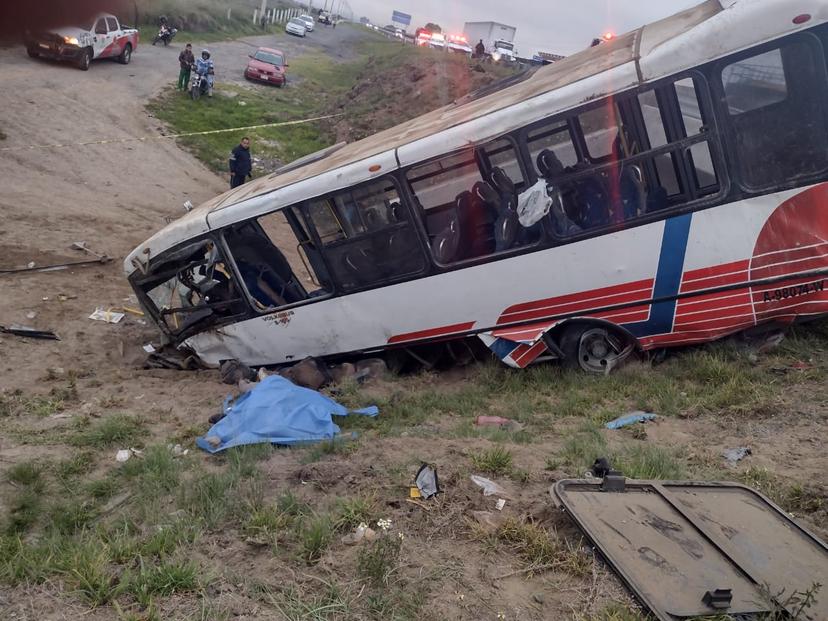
199 85
165 35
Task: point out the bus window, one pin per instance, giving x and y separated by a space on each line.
367 235
192 287
755 82
276 259
691 112
702 166
437 183
601 129
775 102
469 213
651 113
554 137
501 154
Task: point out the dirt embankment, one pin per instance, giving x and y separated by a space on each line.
388 93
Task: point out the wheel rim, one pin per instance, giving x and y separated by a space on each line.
599 352
127 55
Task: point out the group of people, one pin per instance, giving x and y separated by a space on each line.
203 66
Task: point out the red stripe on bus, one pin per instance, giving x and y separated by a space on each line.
574 302
529 356
431 332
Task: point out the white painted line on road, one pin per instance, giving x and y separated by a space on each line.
184 135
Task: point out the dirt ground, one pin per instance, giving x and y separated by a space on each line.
113 196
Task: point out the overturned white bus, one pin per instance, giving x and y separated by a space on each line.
664 188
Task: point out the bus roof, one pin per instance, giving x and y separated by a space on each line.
704 32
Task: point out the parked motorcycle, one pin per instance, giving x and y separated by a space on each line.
198 85
165 35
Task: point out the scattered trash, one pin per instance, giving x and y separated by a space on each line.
232 371
52 268
629 419
736 454
60 415
81 245
109 316
362 532
490 488
427 483
133 311
799 365
31 315
278 412
125 454
500 504
178 450
26 331
149 348
538 598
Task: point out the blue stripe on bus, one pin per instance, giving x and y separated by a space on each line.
668 278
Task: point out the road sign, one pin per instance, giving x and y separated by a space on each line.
401 18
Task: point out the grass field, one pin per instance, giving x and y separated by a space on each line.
134 538
315 81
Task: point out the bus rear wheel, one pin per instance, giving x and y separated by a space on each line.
595 349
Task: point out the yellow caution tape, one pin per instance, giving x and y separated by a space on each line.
163 136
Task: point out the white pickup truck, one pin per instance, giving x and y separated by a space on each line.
104 38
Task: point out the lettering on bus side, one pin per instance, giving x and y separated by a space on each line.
794 291
282 318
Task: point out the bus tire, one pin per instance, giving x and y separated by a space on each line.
85 60
126 55
594 348
32 52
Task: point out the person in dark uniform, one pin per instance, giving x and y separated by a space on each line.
479 49
241 165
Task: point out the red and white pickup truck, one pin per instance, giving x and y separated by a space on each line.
105 38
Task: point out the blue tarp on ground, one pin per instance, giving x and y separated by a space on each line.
279 412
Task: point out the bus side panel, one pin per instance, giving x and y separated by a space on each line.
771 236
443 305
723 247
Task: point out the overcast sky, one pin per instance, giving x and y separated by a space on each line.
557 26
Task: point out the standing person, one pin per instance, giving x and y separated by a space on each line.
479 49
185 60
241 165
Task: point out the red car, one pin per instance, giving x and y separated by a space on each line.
267 65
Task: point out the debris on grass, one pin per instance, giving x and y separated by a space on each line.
734 455
490 488
630 419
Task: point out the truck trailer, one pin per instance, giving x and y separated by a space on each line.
497 38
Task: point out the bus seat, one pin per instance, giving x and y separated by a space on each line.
632 192
549 166
481 214
656 199
446 244
507 227
593 202
501 182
